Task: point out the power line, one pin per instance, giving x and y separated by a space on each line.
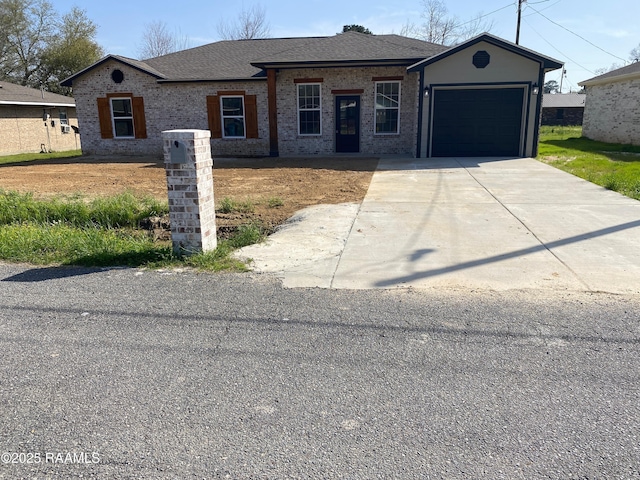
485 15
579 36
542 9
554 47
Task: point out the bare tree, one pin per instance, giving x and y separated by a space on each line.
443 28
251 24
157 40
634 55
610 68
438 26
473 27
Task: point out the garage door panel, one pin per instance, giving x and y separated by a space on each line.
477 122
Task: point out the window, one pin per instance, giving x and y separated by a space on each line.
560 114
232 117
63 116
309 114
232 114
122 117
387 107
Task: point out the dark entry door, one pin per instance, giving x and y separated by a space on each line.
477 122
348 123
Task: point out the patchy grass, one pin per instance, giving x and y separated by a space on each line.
29 157
248 205
612 166
228 205
101 232
275 202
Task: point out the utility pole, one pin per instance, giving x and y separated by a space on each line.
564 73
519 17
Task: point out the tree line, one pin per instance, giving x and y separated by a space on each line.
39 47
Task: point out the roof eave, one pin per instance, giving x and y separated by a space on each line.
615 78
209 80
68 82
391 62
37 104
547 63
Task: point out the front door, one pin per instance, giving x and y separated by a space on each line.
348 123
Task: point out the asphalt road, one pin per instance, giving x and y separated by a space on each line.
130 374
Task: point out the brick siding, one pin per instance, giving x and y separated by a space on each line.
22 130
183 106
167 107
612 112
568 116
347 79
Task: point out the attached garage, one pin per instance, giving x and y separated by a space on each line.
477 122
481 99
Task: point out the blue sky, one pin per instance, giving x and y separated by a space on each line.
611 25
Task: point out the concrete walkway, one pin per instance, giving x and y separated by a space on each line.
464 223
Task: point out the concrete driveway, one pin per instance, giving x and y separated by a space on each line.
464 223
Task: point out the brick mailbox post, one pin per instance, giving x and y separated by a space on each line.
188 164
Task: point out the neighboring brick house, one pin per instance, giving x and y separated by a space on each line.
348 93
612 110
33 121
563 108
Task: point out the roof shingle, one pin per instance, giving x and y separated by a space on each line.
246 59
563 100
12 94
632 69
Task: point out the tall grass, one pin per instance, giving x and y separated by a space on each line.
100 232
124 210
64 244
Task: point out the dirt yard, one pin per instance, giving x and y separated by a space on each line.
262 184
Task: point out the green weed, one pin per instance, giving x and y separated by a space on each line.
124 210
275 202
612 166
68 245
228 205
101 232
29 157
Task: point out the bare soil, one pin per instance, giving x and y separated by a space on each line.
272 188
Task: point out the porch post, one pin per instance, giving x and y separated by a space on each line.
273 113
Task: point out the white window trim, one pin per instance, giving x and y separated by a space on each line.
298 109
113 117
375 107
65 120
243 117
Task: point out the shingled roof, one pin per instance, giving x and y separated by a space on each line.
563 100
630 71
354 47
12 94
247 59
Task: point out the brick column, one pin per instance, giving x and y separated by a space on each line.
188 164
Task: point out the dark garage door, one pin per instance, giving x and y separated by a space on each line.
479 122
